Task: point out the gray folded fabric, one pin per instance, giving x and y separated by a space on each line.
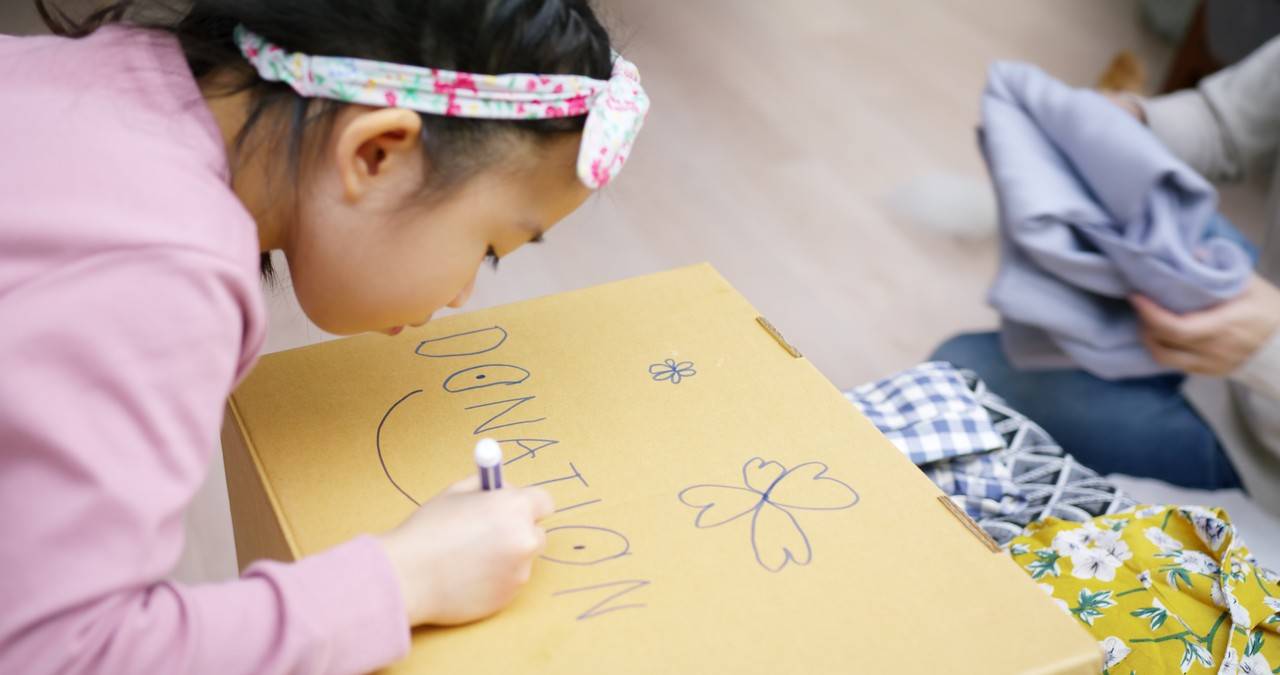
1051 483
1093 208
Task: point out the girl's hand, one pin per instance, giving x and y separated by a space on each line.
1215 341
463 555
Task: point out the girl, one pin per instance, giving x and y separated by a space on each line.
151 164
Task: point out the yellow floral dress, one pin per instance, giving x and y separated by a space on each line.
1164 589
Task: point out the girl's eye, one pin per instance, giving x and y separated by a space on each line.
492 256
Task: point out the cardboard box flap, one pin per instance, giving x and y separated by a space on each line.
722 508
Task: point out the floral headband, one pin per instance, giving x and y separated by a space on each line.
615 110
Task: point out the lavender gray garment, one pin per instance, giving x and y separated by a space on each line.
1093 208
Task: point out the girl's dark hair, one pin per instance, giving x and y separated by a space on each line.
477 36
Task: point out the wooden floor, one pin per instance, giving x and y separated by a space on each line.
778 131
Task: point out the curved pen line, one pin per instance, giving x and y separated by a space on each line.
787 554
378 444
703 508
670 371
790 553
816 477
495 383
583 564
500 342
762 464
626 546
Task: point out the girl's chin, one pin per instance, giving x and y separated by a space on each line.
393 331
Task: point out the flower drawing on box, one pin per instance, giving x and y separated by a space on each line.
670 371
771 497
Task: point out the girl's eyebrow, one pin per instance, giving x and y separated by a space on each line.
535 229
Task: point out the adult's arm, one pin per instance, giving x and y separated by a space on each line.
1223 128
1229 122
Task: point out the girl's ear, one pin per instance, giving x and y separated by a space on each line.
373 144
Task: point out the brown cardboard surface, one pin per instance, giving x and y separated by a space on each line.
345 437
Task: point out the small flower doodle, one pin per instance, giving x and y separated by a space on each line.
671 371
771 494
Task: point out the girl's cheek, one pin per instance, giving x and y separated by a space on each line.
465 295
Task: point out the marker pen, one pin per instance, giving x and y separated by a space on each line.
489 462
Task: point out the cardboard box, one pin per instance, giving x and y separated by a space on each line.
723 509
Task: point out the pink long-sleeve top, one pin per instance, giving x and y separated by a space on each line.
129 307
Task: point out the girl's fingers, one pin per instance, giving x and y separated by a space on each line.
469 484
541 535
539 500
540 503
524 572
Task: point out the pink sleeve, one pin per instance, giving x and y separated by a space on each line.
113 373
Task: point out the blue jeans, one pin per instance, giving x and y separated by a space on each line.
1138 427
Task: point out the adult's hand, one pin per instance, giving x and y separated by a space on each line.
1215 341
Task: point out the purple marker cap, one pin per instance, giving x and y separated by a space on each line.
489 462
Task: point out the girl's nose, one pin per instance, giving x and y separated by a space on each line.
463 295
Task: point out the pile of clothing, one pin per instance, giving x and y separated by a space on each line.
995 463
1163 588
